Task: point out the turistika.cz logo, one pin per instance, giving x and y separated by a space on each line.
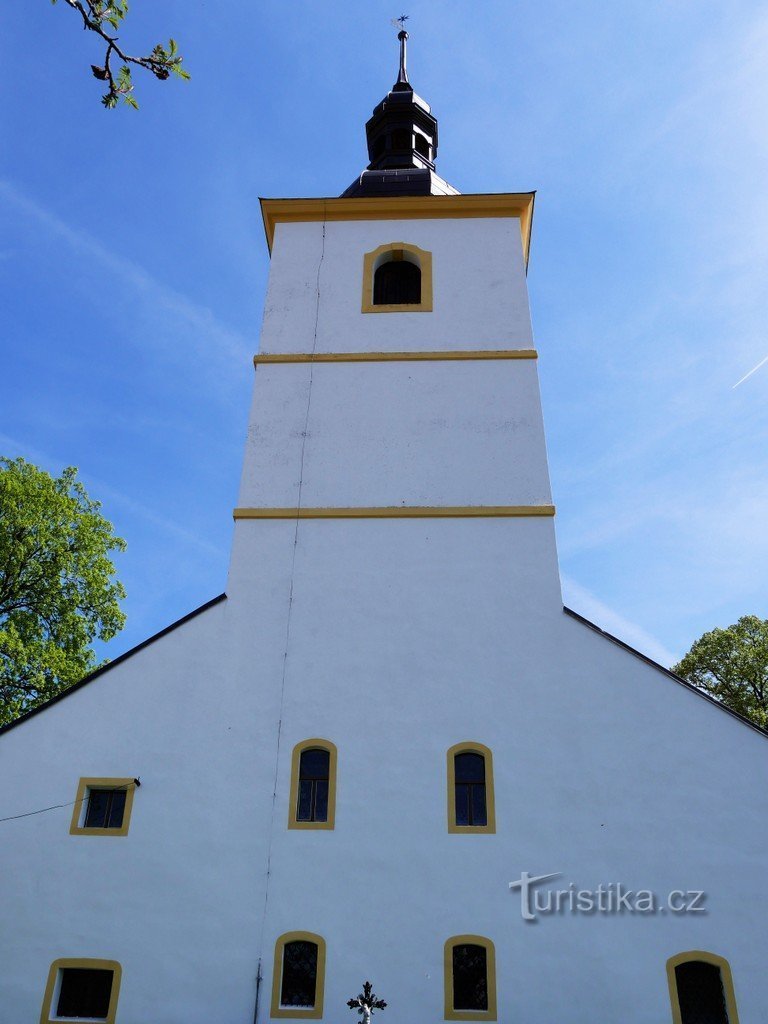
608 898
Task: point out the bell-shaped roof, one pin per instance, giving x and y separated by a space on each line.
402 144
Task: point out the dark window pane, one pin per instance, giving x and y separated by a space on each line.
321 801
462 805
470 978
479 814
470 767
314 764
105 808
397 282
98 808
84 993
299 974
700 993
115 816
304 808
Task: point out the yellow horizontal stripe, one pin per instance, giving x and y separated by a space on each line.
397 512
391 357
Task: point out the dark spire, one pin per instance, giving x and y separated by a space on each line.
402 142
402 78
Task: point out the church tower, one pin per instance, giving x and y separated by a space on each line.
354 763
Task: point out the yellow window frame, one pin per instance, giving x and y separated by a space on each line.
373 260
471 747
450 1013
315 744
78 811
725 977
81 963
295 1012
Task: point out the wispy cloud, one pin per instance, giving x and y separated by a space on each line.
591 607
12 447
202 327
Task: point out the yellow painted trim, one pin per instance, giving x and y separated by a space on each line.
393 357
490 966
75 829
304 1012
397 512
490 800
304 211
294 795
725 977
47 1015
424 262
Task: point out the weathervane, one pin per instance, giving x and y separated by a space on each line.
366 1002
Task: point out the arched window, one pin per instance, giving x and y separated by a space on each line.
313 785
701 989
470 789
470 978
298 979
397 278
397 282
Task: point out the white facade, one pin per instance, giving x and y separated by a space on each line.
394 638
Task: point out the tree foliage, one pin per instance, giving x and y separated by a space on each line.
57 587
732 665
163 61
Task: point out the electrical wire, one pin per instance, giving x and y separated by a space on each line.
56 807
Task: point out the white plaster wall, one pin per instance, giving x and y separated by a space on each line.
413 433
404 638
315 283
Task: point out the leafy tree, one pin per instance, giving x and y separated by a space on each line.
57 591
732 665
100 15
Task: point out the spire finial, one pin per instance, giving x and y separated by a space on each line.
402 77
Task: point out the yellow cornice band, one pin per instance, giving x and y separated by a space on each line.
302 211
398 512
391 357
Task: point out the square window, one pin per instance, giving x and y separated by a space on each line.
103 807
81 990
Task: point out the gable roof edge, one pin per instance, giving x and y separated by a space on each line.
667 672
111 664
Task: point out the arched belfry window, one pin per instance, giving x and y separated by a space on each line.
313 785
701 989
397 278
470 978
470 789
298 978
397 281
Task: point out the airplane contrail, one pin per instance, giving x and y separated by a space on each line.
754 368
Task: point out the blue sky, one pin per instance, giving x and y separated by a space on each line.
133 268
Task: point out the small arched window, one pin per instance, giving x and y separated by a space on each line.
397 278
313 785
299 976
701 989
470 978
397 283
470 789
